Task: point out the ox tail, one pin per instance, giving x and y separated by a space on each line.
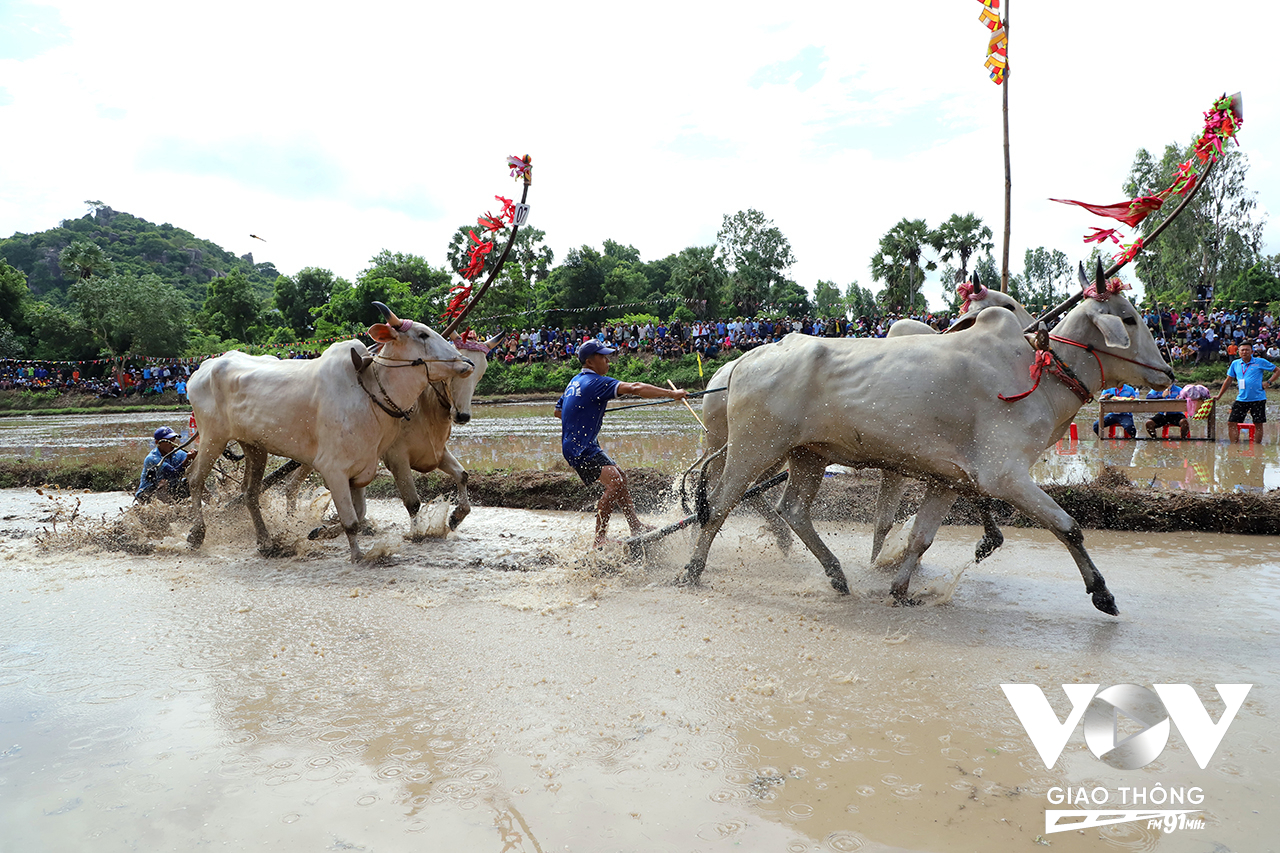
684 481
703 506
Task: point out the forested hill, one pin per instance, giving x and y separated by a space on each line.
135 246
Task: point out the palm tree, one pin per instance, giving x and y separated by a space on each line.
898 262
960 237
83 261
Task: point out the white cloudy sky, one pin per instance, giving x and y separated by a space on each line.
337 130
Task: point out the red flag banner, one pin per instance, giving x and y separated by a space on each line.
1221 123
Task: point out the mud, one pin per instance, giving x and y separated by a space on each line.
505 688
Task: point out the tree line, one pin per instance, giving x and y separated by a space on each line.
111 284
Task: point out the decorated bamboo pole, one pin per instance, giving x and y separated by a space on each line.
1222 122
1008 176
998 65
521 168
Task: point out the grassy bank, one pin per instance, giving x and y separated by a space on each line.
552 377
75 403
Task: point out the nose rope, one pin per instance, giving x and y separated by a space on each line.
1090 348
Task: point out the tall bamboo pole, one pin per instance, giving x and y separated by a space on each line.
1008 180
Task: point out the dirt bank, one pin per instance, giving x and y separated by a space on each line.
1109 503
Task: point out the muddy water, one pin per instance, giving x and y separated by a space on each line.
503 689
525 435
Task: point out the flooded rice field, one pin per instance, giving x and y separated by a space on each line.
527 436
506 689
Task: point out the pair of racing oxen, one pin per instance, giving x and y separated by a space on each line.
951 409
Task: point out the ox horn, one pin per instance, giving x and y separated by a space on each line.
388 315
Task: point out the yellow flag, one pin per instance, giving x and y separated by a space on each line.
699 355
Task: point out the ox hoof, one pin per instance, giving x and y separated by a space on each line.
840 584
906 601
456 517
316 533
1104 601
691 576
196 537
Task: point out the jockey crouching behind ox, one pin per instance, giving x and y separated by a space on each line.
163 470
581 412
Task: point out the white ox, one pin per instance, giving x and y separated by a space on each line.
924 406
320 412
893 485
421 444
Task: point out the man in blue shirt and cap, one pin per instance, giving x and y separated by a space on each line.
581 412
164 466
1251 399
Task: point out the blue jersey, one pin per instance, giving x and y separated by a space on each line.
582 414
1171 394
157 467
1249 378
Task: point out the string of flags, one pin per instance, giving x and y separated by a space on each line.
998 43
1221 124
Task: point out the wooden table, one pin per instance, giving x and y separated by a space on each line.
1120 405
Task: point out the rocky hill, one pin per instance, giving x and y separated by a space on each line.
134 245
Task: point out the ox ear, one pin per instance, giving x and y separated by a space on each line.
382 333
1084 279
1113 331
360 361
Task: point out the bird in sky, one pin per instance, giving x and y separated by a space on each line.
256 237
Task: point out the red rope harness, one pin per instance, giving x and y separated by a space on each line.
1047 359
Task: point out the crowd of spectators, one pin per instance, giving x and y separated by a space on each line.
1202 336
99 378
709 338
1189 337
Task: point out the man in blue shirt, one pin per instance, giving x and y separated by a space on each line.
1121 419
1164 419
1251 399
581 412
162 469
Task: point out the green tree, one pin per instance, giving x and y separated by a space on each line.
350 307
698 278
1043 273
624 283
860 301
15 302
1215 239
231 308
83 260
899 263
827 300
756 256
791 298
422 278
1258 285
959 238
130 315
296 297
579 281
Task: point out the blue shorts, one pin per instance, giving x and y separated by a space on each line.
589 468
